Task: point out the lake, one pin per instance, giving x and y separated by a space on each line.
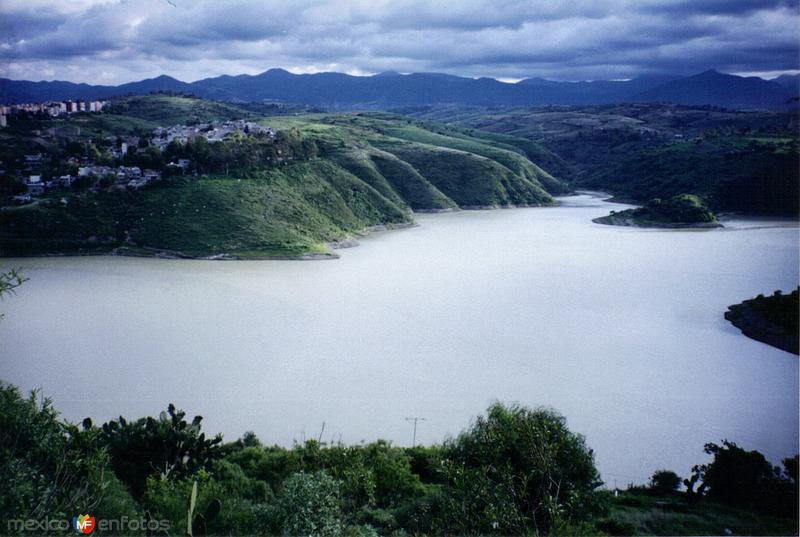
619 329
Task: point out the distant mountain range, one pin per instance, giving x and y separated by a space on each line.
337 91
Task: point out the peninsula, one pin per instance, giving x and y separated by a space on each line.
681 211
772 320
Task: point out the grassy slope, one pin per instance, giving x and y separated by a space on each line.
471 172
513 153
428 166
466 178
373 169
284 212
494 147
167 110
635 513
419 193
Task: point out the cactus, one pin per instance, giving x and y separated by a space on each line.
192 505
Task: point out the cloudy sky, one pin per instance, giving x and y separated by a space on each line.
114 41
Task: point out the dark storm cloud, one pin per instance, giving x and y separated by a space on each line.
119 40
27 24
718 7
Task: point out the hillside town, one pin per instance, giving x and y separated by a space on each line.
50 108
212 132
107 163
89 175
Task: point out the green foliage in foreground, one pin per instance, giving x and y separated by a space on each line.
742 478
640 511
514 471
518 470
169 446
48 467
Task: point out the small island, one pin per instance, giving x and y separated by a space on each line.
681 211
772 320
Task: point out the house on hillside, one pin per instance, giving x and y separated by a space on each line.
35 185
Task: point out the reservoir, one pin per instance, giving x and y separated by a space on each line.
621 330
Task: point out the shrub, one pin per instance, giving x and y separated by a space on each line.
227 502
518 470
310 505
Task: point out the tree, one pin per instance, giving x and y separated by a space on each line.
100 157
664 482
745 479
517 471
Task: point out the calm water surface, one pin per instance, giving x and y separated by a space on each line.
619 329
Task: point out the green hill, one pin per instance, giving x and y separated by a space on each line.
737 161
735 173
286 212
168 110
322 178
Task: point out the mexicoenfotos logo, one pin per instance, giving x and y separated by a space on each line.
83 524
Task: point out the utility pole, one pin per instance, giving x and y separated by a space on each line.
415 420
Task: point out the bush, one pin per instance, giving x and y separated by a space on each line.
310 505
518 470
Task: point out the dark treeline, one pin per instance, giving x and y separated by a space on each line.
775 319
514 471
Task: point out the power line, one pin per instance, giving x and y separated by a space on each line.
415 420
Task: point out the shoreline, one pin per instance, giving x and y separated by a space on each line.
768 320
755 328
147 252
613 220
348 241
